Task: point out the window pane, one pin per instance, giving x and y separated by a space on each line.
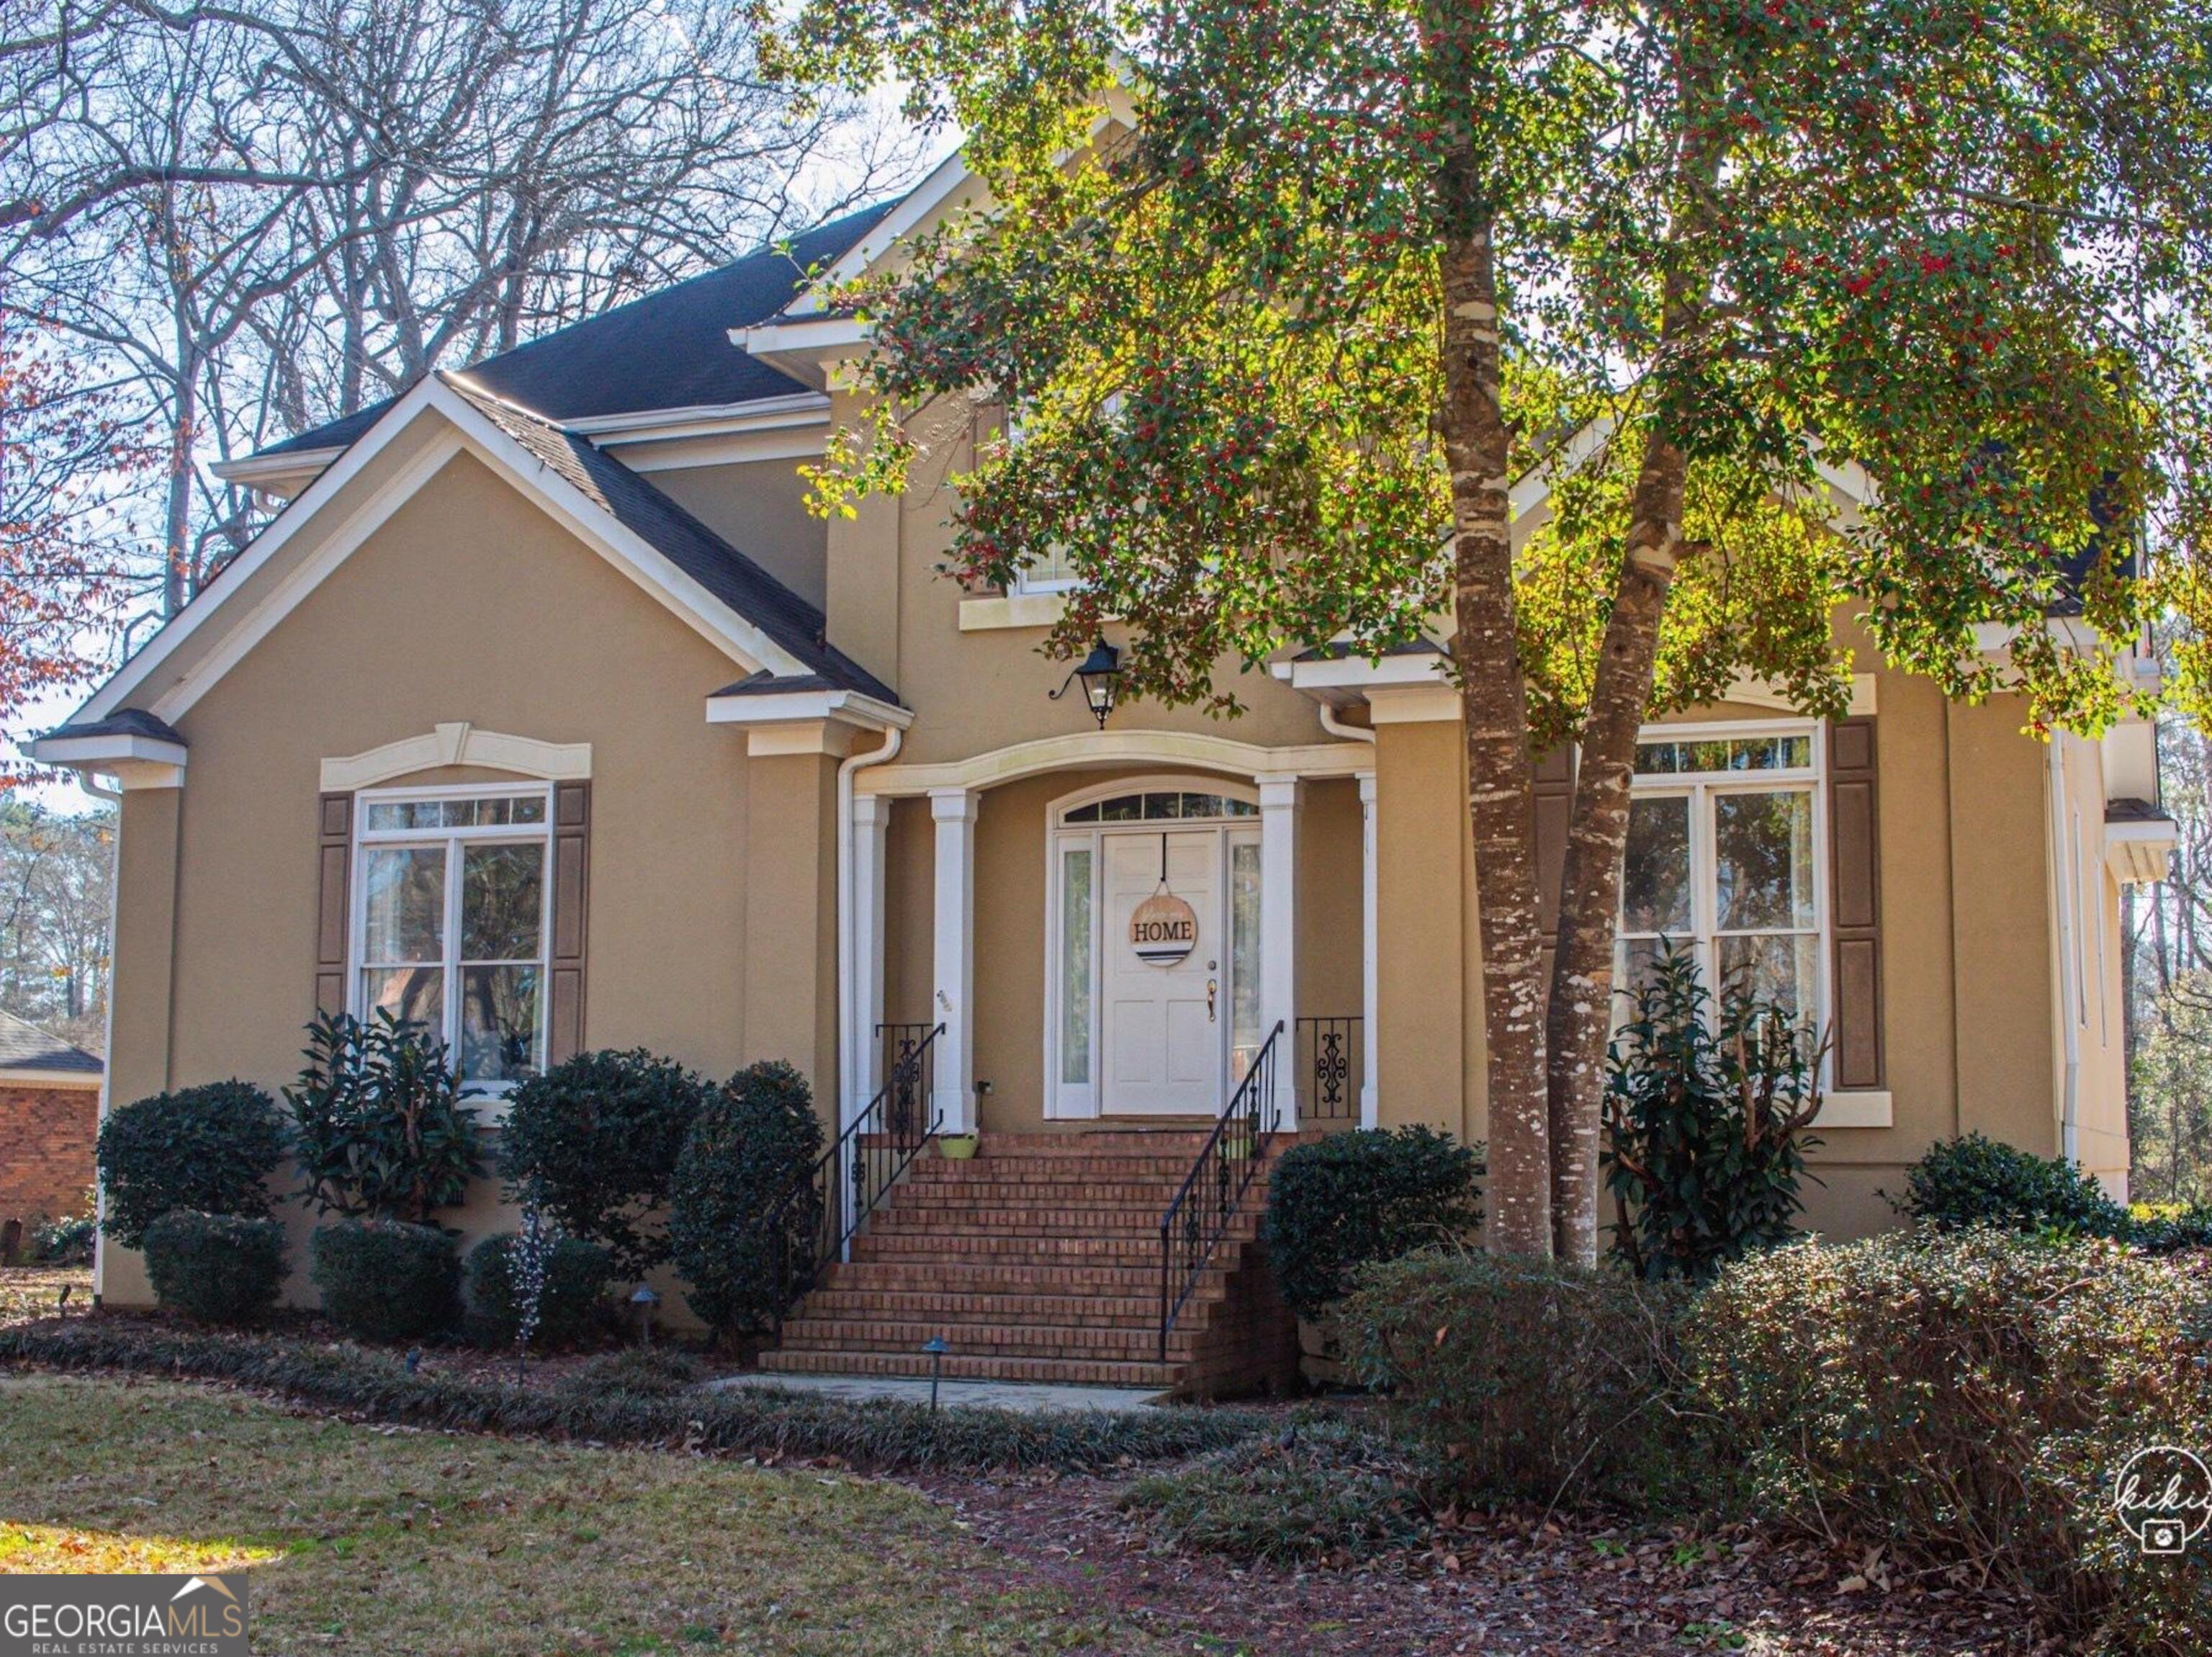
530 809
1783 970
1655 879
1084 814
1244 958
1673 757
403 900
499 1023
407 992
1239 809
1633 960
503 892
1763 846
1126 809
1075 965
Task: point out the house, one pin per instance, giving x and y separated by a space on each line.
544 712
49 1118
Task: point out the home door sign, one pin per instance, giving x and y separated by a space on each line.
1163 929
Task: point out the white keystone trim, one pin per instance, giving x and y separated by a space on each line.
457 743
1168 749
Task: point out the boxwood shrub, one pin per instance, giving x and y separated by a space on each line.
569 1309
1527 1379
1355 1198
1975 1180
209 1149
215 1268
754 1143
385 1280
1967 1399
595 1139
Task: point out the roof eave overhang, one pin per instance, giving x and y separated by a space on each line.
30 1075
805 722
2138 850
134 761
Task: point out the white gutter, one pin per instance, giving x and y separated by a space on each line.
1336 727
848 984
2069 987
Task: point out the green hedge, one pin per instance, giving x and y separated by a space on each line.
1527 1379
1967 1399
754 1143
569 1310
876 1436
1355 1198
215 1268
384 1280
209 1149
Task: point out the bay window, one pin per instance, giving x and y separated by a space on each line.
450 922
1724 858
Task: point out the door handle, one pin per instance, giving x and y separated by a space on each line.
1212 989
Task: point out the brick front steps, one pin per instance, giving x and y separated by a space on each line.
1039 1260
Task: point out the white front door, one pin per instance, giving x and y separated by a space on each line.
1163 1024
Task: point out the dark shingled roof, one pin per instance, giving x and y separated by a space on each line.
27 1047
124 722
2132 810
697 551
669 349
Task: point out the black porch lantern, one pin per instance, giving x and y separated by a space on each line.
1098 671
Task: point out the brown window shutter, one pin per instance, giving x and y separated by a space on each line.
1555 806
572 879
1855 857
333 913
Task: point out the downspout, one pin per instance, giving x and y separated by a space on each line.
114 797
2069 990
1336 727
848 985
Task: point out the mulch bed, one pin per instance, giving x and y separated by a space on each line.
1504 1583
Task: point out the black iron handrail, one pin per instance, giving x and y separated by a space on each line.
809 1228
1330 1054
1206 1202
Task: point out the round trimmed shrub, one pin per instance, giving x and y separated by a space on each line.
752 1146
576 1274
1977 1180
209 1149
215 1268
1356 1199
385 1280
597 1138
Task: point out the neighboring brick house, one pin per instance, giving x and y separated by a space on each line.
49 1117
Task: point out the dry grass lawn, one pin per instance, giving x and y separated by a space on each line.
29 1292
366 1540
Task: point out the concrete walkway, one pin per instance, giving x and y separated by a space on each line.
1031 1397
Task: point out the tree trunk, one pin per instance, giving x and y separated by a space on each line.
1580 1018
1493 709
177 510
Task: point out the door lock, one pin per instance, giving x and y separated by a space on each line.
1212 989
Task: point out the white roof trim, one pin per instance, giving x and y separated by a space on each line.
740 640
2136 850
253 470
31 1076
787 707
101 752
943 180
803 408
458 743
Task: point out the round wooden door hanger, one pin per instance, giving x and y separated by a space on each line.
1164 930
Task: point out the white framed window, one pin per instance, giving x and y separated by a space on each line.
1053 572
451 914
1727 857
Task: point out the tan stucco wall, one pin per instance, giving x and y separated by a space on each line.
711 905
759 506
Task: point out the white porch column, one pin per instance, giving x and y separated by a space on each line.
1278 932
954 813
1370 1097
863 990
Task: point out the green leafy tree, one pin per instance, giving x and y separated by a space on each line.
1288 294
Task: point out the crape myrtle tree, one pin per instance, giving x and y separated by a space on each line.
1288 294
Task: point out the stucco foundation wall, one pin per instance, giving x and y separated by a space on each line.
46 1136
468 604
